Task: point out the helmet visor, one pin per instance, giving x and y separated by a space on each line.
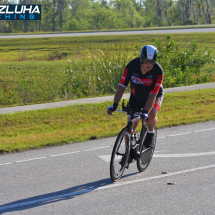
147 61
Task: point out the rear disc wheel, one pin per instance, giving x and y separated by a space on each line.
145 159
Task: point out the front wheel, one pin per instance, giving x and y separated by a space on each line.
120 155
145 159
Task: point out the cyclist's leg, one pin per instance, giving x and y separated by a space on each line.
152 119
134 154
134 104
154 111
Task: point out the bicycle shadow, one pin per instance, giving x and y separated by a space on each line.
53 197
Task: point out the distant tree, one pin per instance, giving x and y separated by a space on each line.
61 6
46 19
127 14
187 10
208 10
102 17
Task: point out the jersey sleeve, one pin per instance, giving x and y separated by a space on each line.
158 83
126 77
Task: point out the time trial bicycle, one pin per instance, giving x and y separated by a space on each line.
121 154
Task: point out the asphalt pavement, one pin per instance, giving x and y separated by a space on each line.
75 179
96 99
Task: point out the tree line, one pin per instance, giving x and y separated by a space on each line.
75 15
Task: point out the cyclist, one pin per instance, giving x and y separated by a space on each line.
145 76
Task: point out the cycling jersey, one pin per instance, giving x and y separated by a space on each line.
142 85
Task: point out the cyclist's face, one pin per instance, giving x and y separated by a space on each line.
146 67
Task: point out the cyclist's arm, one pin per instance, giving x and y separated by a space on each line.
150 102
122 85
119 93
117 98
153 93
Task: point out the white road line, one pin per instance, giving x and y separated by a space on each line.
191 132
183 155
107 158
85 150
23 204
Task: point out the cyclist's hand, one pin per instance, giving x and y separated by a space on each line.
145 116
112 108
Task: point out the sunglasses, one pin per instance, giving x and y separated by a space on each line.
147 61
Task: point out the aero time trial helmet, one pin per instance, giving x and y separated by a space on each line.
148 54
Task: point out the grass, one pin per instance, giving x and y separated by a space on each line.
41 128
56 48
37 82
35 70
30 82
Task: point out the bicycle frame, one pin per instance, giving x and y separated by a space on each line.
135 117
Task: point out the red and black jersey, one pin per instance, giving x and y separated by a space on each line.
142 85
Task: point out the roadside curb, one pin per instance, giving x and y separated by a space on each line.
96 99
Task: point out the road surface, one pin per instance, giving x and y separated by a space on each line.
74 179
105 33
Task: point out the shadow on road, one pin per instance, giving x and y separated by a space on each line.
50 198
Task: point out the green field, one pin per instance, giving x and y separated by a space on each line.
55 48
41 128
38 70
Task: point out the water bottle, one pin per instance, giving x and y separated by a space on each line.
133 141
134 145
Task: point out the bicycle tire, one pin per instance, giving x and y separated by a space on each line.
145 159
120 155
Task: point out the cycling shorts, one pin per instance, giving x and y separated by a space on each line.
134 103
